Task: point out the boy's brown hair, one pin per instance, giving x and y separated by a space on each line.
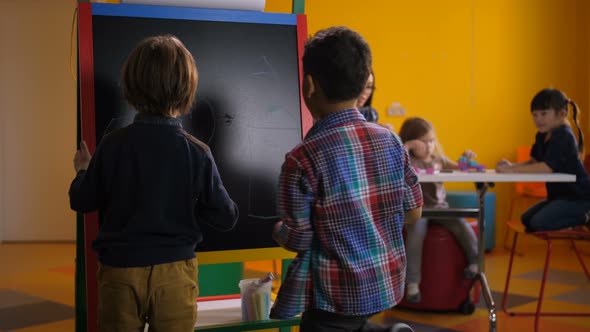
160 77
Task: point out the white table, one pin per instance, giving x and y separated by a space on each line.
219 312
491 176
482 181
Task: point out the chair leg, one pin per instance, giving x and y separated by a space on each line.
525 244
506 247
543 281
580 259
505 296
537 313
506 234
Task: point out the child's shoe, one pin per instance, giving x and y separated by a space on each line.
400 327
470 271
413 293
397 327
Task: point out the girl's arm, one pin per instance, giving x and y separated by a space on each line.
529 166
449 164
504 162
416 147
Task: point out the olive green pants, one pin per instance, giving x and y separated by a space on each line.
164 296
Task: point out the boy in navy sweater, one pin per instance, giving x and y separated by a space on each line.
153 185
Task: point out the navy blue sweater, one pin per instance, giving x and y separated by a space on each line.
153 185
560 153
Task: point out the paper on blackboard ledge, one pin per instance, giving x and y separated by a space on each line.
255 5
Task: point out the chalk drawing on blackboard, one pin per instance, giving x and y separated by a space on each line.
229 118
265 68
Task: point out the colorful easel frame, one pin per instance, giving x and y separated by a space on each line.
87 225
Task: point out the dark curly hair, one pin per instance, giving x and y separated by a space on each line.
557 100
339 59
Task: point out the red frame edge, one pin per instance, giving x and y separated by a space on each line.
306 118
218 297
88 133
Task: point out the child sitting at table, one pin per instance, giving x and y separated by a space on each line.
555 150
420 140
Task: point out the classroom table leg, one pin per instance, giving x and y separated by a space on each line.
482 188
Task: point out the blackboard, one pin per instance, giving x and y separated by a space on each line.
248 106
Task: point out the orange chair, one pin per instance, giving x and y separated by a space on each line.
581 233
525 192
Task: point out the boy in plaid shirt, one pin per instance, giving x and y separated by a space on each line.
344 195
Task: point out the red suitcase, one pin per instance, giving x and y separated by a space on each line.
443 286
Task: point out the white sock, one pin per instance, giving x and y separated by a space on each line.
413 289
473 268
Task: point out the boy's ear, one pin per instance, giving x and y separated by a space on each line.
309 87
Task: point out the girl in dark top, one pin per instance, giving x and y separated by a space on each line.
364 101
555 150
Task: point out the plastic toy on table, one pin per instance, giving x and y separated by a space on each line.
466 165
429 170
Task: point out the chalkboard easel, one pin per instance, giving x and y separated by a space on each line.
250 71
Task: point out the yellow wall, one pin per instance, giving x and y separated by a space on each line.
37 120
469 66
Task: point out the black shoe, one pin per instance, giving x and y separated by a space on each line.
414 298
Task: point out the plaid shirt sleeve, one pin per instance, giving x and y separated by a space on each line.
294 233
412 190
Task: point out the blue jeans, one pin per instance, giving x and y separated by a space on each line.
555 214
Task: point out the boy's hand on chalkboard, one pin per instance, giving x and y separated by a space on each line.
275 231
82 157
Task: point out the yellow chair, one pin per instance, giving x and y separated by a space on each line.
525 192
